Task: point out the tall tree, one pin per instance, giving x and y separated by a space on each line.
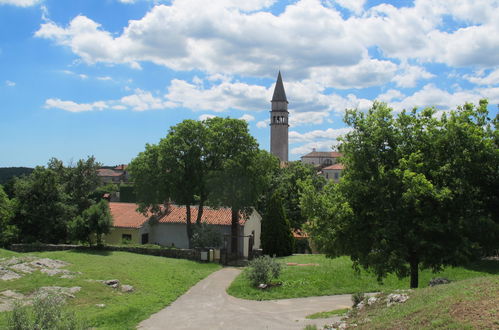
239 170
94 222
416 190
42 210
7 231
276 237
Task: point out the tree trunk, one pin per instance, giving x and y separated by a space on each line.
188 224
235 231
414 263
200 210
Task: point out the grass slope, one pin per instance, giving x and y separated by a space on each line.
335 276
157 281
467 304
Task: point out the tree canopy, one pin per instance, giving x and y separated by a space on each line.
276 238
417 192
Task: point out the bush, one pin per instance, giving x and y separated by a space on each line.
47 313
205 236
263 270
357 298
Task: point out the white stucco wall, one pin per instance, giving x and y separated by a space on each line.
330 174
316 161
254 223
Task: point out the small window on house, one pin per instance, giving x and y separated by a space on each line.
327 176
145 238
336 176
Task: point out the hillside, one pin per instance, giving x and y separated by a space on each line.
468 304
6 173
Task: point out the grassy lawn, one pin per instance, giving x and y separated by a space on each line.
157 281
325 315
467 304
335 276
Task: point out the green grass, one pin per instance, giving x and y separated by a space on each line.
467 304
325 315
335 276
157 281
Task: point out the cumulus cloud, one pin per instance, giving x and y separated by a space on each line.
247 117
410 75
317 135
390 96
73 106
10 83
206 116
480 79
317 145
357 6
263 123
142 100
20 3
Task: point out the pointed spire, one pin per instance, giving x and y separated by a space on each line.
279 93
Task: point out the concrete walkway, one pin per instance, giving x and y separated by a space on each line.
207 306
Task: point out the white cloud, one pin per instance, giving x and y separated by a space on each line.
104 78
306 118
73 106
410 75
142 100
357 6
206 116
247 118
317 135
10 83
318 145
20 3
263 123
219 98
491 79
390 95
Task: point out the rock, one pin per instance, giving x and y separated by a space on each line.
22 267
262 286
68 276
7 274
360 305
58 291
49 263
112 283
12 294
100 305
53 272
438 281
394 298
126 288
371 300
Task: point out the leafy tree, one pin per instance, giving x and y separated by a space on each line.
285 182
206 236
239 170
276 237
417 191
93 222
7 231
41 207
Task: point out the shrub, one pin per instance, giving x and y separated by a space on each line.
47 313
357 298
205 236
263 270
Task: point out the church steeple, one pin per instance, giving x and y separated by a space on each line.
279 93
279 122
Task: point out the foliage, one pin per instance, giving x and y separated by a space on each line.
41 207
262 270
127 193
285 181
240 172
206 236
47 313
109 188
301 245
94 222
80 182
7 231
328 314
276 237
158 282
8 173
325 276
418 191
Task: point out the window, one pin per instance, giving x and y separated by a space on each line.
328 162
126 237
336 176
145 238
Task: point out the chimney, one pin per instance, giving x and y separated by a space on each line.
313 149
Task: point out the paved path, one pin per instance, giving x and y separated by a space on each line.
207 306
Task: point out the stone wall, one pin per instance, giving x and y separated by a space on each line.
189 254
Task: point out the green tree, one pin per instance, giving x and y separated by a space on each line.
239 170
416 191
81 181
285 182
7 231
92 223
276 237
42 210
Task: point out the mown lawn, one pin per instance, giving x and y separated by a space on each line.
467 304
336 276
157 281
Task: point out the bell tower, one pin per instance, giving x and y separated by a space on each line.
279 122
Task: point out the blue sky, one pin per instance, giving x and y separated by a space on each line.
105 77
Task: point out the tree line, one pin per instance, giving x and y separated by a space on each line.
55 204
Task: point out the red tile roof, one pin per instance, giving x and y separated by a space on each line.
210 216
121 167
323 154
125 215
108 172
337 166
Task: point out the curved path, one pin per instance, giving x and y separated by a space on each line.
207 306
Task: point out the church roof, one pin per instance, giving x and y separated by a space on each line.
323 154
279 93
337 166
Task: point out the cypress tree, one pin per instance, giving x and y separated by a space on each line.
277 238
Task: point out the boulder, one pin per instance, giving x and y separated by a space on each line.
438 281
126 288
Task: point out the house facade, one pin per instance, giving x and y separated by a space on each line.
321 159
169 229
333 172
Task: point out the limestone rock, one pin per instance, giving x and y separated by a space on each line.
394 298
438 281
127 288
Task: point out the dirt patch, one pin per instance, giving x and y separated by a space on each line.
481 314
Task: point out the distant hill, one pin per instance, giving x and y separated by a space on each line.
6 173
